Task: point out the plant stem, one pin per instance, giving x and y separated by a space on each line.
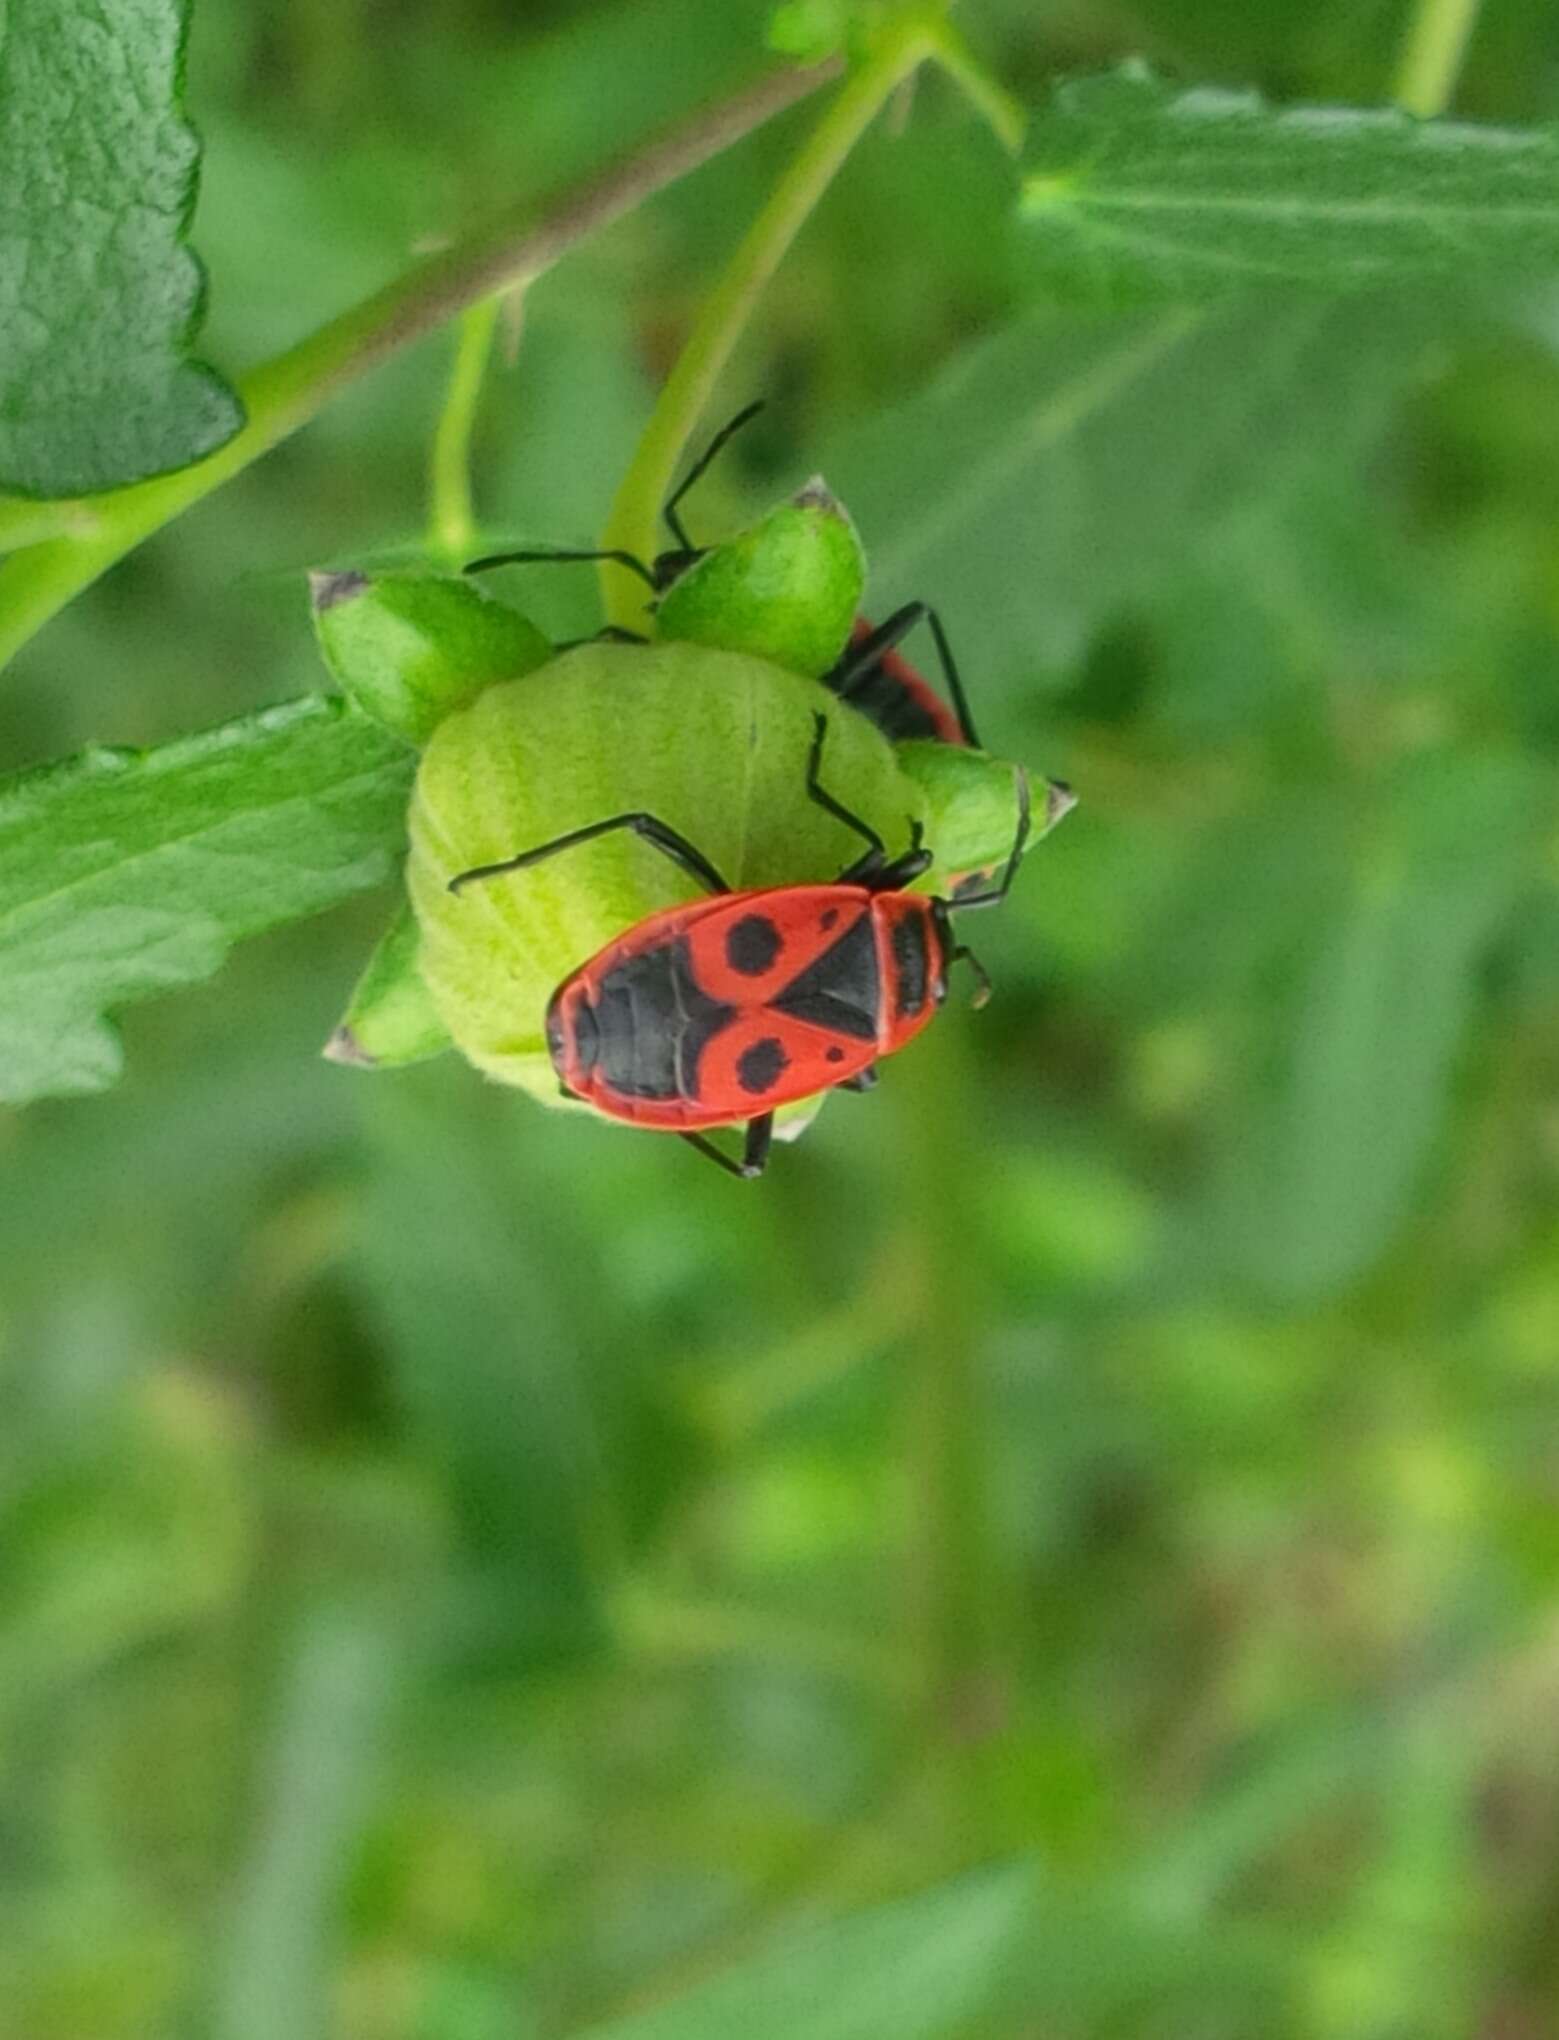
1004 115
288 391
1437 40
635 513
452 521
23 522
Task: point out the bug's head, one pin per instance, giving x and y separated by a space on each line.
572 1038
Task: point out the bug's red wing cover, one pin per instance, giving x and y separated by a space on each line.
748 948
799 965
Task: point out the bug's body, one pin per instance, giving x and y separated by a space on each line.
888 690
704 1015
708 1014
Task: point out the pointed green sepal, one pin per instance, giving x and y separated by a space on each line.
786 591
411 648
971 806
392 1019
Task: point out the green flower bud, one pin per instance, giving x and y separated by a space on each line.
391 1019
408 648
787 590
713 742
970 802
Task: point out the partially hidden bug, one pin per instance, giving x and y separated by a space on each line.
870 674
717 1012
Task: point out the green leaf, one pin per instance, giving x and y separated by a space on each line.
100 295
1135 190
1053 474
918 1969
124 873
1328 1157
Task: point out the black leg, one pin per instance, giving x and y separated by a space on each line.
863 1080
649 827
551 558
873 869
755 1149
859 660
819 793
674 523
982 988
998 892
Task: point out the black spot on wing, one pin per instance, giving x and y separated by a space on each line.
752 945
760 1066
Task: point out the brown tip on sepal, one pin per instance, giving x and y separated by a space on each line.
327 590
344 1047
817 495
1059 802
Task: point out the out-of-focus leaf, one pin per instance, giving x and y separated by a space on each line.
1357 1085
918 1969
506 1371
809 30
100 295
1058 471
1134 189
124 873
324 1750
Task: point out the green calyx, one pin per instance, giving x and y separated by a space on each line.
970 804
713 742
391 1020
787 590
410 648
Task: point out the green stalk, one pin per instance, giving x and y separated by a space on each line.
287 392
23 522
452 520
1437 40
633 523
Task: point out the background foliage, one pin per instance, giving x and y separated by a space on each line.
1073 1553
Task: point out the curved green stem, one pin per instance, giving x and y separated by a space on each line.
288 391
1437 41
451 518
23 522
632 525
1003 114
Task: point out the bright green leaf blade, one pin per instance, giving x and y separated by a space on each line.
1134 190
918 1969
1054 473
124 873
1330 1154
100 294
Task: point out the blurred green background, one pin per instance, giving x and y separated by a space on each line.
471 1575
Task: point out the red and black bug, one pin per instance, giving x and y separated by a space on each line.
718 1012
869 673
